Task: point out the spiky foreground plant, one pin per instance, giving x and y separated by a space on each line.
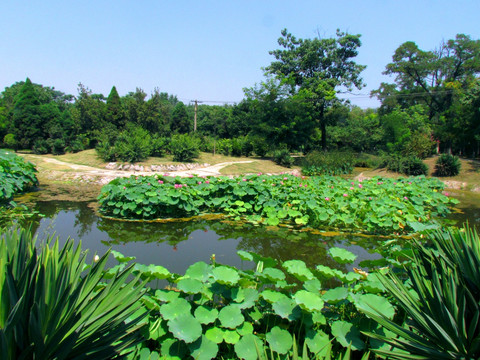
55 306
443 304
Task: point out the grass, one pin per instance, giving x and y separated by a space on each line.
257 166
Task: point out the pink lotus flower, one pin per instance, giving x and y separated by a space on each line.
207 182
345 195
405 198
370 198
199 183
360 186
351 188
285 178
160 181
327 199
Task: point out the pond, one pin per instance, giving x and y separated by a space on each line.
178 244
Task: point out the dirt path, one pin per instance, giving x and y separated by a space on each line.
53 169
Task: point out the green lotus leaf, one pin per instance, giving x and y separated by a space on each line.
231 336
313 285
347 334
272 296
225 275
120 257
342 256
284 308
308 301
245 297
279 340
215 334
319 318
245 328
206 315
190 286
166 295
173 349
350 277
335 295
273 274
199 271
185 327
328 272
231 317
203 349
246 348
298 269
175 308
318 343
245 255
374 303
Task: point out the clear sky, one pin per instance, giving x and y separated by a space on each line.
207 50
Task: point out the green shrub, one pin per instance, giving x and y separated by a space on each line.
55 306
75 146
9 141
133 144
447 165
414 166
16 175
58 146
40 147
224 147
159 146
328 163
237 146
440 300
260 146
282 157
184 148
410 165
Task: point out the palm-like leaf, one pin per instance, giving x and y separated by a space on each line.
442 306
52 308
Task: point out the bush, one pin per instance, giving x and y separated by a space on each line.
16 175
40 147
328 163
75 146
133 144
159 146
58 146
282 157
260 146
447 165
184 147
55 306
9 141
224 147
237 146
414 166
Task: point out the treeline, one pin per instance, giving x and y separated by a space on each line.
432 105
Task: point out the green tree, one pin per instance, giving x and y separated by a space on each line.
317 69
433 78
27 118
114 111
180 123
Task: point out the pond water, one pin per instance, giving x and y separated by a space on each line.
178 244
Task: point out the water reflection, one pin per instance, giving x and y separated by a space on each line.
176 245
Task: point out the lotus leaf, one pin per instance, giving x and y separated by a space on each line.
318 343
308 301
231 317
245 297
203 349
245 255
327 272
231 336
342 256
272 296
285 308
190 286
206 315
215 334
185 327
347 335
298 269
175 308
166 295
374 303
225 275
313 285
246 348
279 340
335 295
245 328
173 349
273 274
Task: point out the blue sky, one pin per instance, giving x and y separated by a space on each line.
205 50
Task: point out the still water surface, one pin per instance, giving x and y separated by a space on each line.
176 245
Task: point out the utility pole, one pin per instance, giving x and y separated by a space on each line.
195 117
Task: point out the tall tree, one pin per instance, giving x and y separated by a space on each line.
115 114
180 121
27 118
317 69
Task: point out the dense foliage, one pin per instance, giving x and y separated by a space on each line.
375 206
55 306
447 165
16 176
328 163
